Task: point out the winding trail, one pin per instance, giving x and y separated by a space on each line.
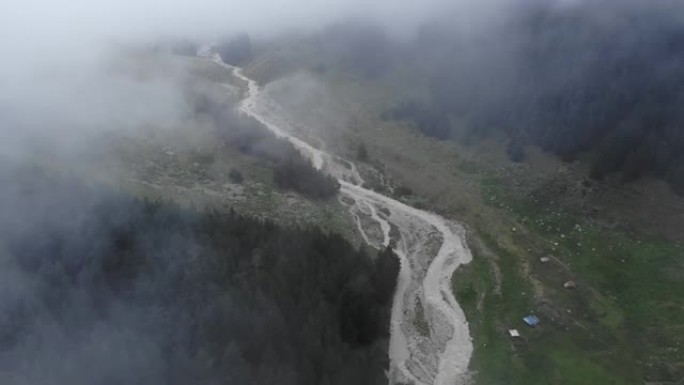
430 249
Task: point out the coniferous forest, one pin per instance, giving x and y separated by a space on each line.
291 170
102 288
601 82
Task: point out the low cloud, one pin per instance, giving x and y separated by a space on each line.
59 81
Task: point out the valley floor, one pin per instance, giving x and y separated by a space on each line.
621 320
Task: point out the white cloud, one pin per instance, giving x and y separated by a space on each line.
52 71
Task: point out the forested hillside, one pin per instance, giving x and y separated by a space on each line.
600 81
291 170
99 287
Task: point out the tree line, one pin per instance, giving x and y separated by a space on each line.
100 287
598 81
291 170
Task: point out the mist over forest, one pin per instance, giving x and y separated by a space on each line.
101 285
597 81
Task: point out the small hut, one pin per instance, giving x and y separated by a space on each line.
531 320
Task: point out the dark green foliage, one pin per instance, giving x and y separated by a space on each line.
103 288
300 175
428 120
362 153
291 170
235 176
385 275
402 191
604 79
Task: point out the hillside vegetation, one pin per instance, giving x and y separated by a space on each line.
600 81
143 292
291 170
597 88
597 81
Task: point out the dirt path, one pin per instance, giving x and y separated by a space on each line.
442 357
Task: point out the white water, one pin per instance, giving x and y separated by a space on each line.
442 357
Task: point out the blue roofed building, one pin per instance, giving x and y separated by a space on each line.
531 320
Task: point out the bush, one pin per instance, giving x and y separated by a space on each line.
402 191
300 175
361 153
235 176
291 170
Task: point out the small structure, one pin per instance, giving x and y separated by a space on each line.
514 333
570 285
544 259
531 320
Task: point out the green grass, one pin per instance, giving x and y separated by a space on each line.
492 350
627 317
547 355
643 275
